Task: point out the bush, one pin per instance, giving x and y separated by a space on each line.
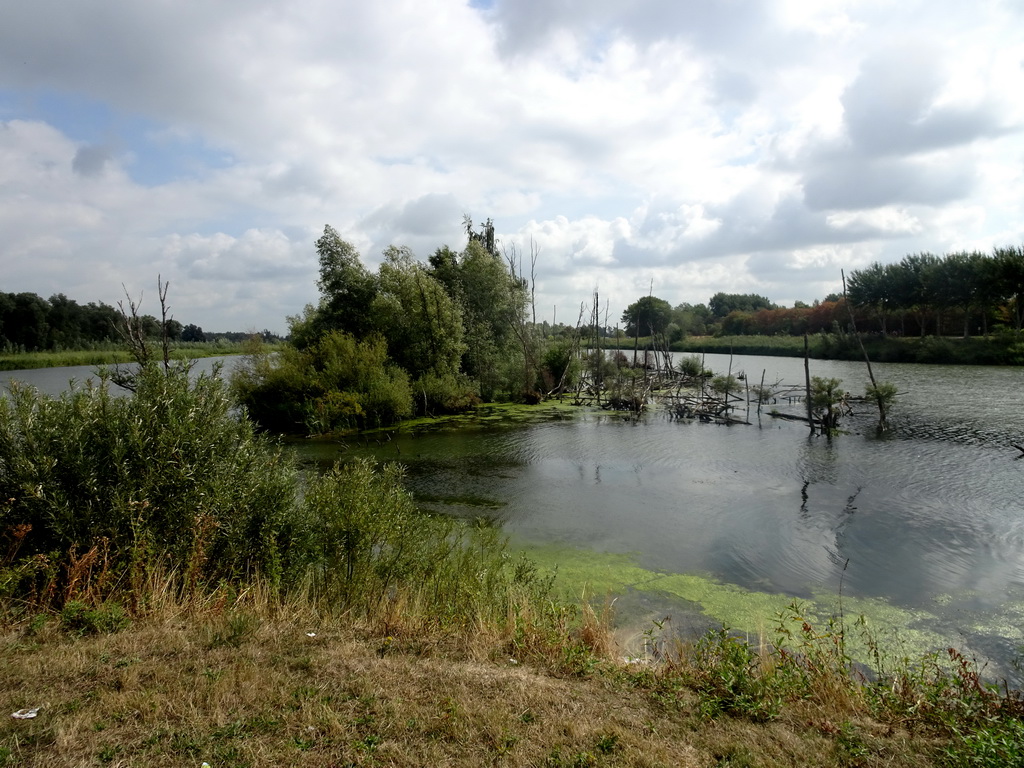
559 365
337 383
169 492
691 366
828 401
437 393
168 474
722 384
365 544
79 618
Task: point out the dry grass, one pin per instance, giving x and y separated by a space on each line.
249 687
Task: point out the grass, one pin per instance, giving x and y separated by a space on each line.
260 683
112 355
249 679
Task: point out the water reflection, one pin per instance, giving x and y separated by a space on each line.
928 517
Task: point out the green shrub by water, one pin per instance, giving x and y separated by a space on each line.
362 539
337 383
99 493
169 473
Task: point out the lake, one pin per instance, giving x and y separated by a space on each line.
921 530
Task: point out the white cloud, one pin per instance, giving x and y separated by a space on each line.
704 146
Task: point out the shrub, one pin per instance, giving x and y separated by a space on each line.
169 473
559 365
722 384
79 618
691 366
365 544
437 393
338 383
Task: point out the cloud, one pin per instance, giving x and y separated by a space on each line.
858 184
90 161
893 106
707 146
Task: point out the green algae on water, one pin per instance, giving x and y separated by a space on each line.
869 624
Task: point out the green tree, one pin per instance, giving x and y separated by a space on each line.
493 305
692 319
421 322
192 333
347 290
871 288
957 281
647 316
1010 275
26 324
65 321
916 287
722 304
484 237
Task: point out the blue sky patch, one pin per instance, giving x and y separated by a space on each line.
151 153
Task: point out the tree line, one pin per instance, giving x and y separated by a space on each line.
30 323
924 293
965 293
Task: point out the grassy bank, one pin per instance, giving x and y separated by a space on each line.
248 680
112 355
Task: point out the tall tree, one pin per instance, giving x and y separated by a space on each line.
647 316
721 304
346 289
871 287
485 236
26 324
1010 272
493 303
917 271
958 282
421 322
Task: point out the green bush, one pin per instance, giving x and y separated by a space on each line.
337 383
828 401
168 473
437 393
723 384
365 543
101 492
559 365
691 366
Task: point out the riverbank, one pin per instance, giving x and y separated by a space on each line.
240 683
1001 349
112 356
319 619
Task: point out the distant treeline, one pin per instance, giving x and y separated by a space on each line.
30 323
965 294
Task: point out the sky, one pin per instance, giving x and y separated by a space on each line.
680 147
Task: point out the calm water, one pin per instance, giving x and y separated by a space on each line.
930 517
53 381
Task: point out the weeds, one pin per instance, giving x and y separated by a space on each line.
80 619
